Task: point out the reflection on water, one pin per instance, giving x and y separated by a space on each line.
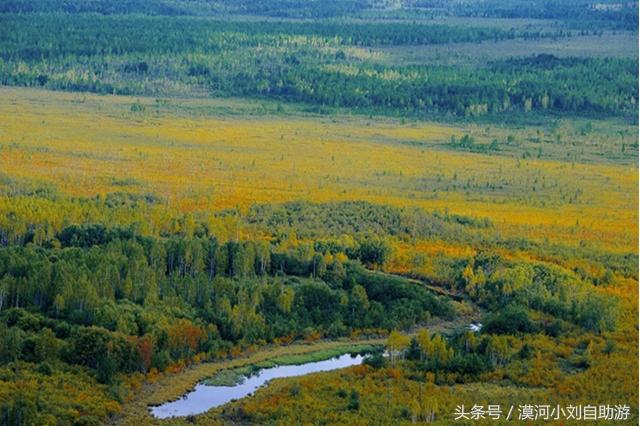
204 398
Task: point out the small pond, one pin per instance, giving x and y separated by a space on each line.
204 397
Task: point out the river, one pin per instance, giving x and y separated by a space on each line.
204 397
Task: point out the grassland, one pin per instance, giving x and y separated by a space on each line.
200 155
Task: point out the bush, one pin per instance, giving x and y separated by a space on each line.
354 401
511 320
87 421
375 360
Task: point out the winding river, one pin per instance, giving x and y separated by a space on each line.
204 397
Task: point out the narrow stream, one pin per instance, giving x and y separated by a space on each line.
204 397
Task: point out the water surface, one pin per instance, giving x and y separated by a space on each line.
204 397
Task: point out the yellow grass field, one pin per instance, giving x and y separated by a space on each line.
202 155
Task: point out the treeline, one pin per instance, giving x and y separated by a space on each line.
580 13
304 63
273 8
611 13
116 265
107 7
103 35
42 217
116 303
502 88
298 220
296 8
95 264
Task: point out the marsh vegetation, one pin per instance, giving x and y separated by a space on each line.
194 187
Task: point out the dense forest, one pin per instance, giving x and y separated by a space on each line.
309 63
275 8
578 12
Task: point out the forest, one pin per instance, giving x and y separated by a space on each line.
582 13
193 191
324 64
107 302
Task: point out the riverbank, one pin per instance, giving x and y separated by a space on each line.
233 376
173 386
